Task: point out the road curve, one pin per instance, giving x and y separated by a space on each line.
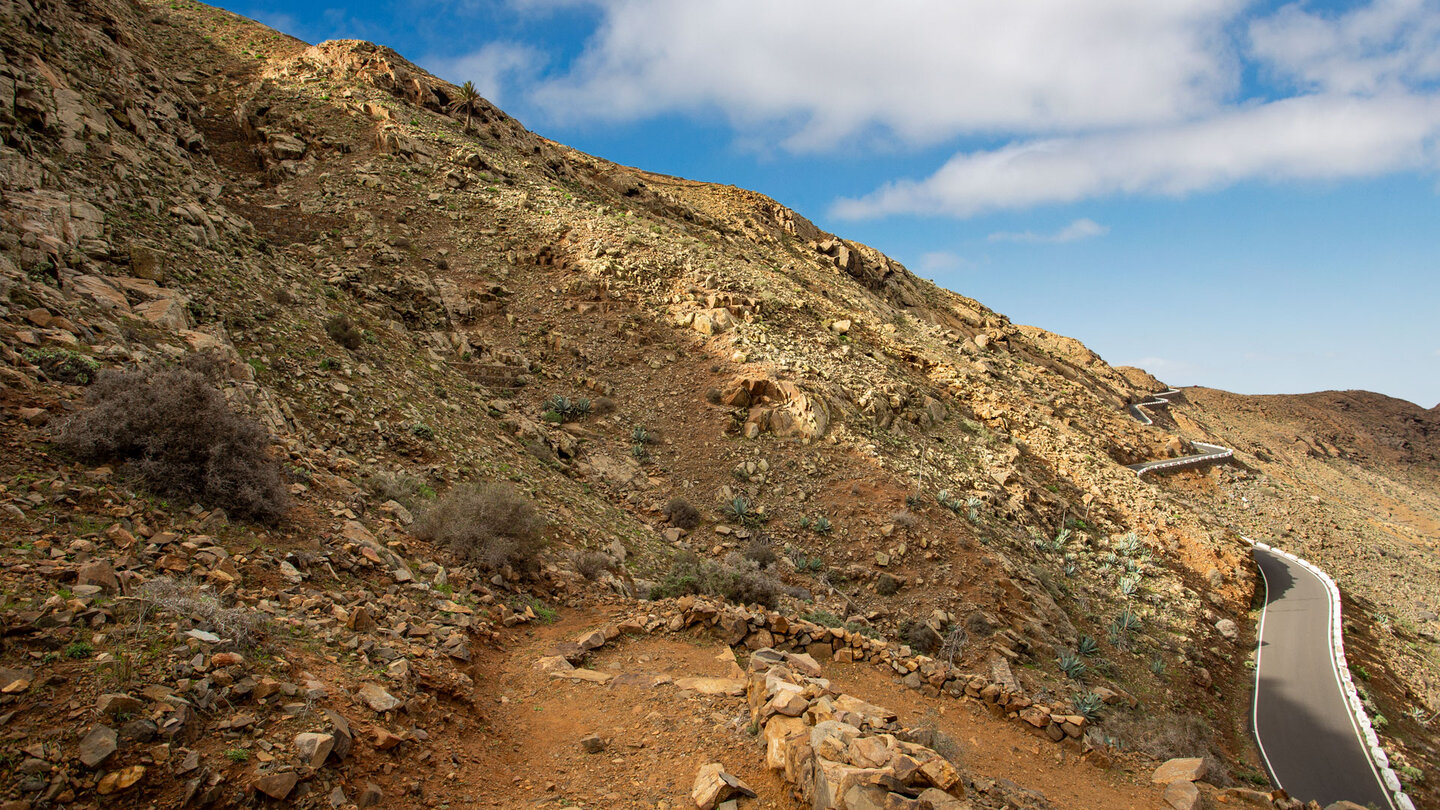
1310 741
1310 726
1211 452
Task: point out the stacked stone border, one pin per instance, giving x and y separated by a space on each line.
1380 761
757 630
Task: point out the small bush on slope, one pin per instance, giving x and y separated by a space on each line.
177 433
487 523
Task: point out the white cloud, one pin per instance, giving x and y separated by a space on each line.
1383 46
1077 230
1158 364
1304 138
824 72
941 260
492 68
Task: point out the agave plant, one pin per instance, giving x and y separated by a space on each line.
738 508
1071 665
1086 646
1127 622
1129 585
1087 705
821 525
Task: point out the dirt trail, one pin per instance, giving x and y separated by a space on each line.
657 736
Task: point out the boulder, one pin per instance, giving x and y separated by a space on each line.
116 781
276 785
1182 796
1227 628
314 747
100 574
1189 769
779 731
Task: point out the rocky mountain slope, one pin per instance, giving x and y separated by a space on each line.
413 298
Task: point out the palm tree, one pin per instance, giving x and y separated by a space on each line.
468 101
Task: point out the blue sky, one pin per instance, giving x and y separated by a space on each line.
1234 194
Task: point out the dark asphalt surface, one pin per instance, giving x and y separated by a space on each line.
1302 720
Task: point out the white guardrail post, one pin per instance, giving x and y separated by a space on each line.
1371 741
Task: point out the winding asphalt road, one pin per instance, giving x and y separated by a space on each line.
1212 452
1309 739
1312 744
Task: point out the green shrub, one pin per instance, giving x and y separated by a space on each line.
63 365
824 618
177 433
79 649
487 523
735 580
410 491
740 510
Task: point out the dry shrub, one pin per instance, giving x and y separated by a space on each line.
342 330
760 553
680 513
1168 736
928 734
178 435
736 580
189 600
487 523
921 637
410 491
591 564
904 519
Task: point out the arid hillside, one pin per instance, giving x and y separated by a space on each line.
363 447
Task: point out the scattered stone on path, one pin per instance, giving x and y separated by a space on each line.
713 686
370 796
276 785
314 748
713 786
592 743
589 675
97 746
377 698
